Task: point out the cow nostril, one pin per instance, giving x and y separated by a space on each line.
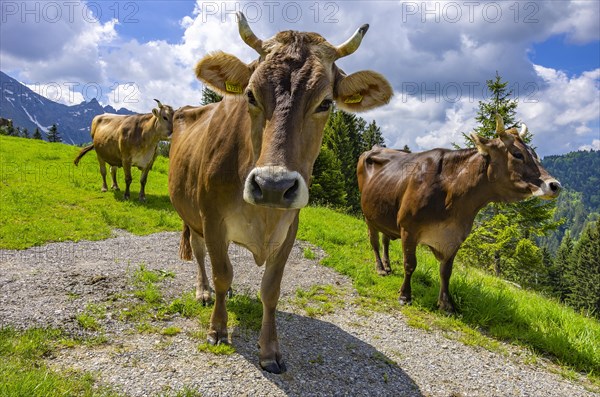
256 190
290 194
554 186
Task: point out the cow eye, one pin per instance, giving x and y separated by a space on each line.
251 98
518 155
324 106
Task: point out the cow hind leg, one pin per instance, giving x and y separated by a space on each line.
270 356
445 301
102 165
386 254
409 249
127 172
143 180
374 239
113 174
203 292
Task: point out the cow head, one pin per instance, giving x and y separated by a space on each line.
515 168
289 92
164 120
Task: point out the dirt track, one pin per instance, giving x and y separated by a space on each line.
348 352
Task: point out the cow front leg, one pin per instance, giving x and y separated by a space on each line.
386 254
270 356
113 174
374 240
445 301
127 172
202 286
409 250
222 274
143 180
102 165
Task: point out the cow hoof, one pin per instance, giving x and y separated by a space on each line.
142 199
382 272
115 188
215 339
125 197
104 190
273 366
446 307
204 298
404 301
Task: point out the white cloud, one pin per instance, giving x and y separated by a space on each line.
595 145
437 61
61 93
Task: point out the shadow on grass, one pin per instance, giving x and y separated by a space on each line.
156 202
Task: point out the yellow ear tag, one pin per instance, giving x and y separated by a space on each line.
233 87
355 98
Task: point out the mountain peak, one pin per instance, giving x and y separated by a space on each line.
30 110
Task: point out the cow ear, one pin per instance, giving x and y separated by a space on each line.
223 73
155 112
362 91
481 144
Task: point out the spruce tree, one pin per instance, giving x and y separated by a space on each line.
372 137
53 135
585 272
37 134
25 133
209 96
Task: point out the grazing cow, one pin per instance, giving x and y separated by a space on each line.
432 197
239 168
123 141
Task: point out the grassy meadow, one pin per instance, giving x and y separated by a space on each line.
45 198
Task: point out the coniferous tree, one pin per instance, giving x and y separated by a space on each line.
559 275
585 272
372 137
37 134
209 96
25 133
53 135
406 149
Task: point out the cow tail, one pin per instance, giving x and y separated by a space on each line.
82 153
185 247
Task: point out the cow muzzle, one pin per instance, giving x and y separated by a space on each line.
549 189
276 187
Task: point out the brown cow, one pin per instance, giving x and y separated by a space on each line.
123 141
239 168
432 197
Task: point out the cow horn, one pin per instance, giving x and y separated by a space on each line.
248 35
499 124
523 131
160 105
353 42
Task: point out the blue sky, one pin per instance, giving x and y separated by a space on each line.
437 56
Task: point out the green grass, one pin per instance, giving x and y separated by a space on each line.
45 198
486 306
23 372
319 300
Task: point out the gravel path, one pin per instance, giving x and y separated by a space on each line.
344 353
